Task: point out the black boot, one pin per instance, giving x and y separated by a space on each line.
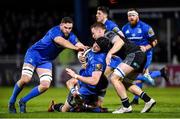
165 73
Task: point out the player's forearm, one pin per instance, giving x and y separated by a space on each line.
65 43
116 47
151 45
79 44
87 80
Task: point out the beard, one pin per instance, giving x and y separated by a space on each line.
134 22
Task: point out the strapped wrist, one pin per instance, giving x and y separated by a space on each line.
72 90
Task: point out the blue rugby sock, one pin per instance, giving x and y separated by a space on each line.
141 77
140 85
15 93
155 74
33 93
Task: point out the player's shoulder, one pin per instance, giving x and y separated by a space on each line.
72 36
100 57
144 25
55 30
111 22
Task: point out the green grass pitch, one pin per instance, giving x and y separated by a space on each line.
168 104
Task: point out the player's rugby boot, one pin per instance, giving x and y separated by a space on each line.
22 107
12 108
148 106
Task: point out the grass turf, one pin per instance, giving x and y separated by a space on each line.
168 104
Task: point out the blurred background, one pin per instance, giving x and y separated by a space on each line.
23 22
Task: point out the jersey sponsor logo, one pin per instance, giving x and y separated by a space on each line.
151 32
136 38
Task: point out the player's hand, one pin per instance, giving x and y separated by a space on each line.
71 73
81 47
143 48
108 58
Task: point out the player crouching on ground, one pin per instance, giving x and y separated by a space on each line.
87 89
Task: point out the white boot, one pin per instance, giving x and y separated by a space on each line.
148 106
123 110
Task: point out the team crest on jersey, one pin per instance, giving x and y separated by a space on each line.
127 32
30 60
98 67
139 30
151 32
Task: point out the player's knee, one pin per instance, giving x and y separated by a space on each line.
118 75
114 78
119 72
108 71
27 72
26 75
44 85
45 81
24 79
100 101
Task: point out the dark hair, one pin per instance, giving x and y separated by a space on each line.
99 25
132 9
103 9
67 20
104 44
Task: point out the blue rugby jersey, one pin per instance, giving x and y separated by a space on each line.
111 26
141 34
95 61
46 48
